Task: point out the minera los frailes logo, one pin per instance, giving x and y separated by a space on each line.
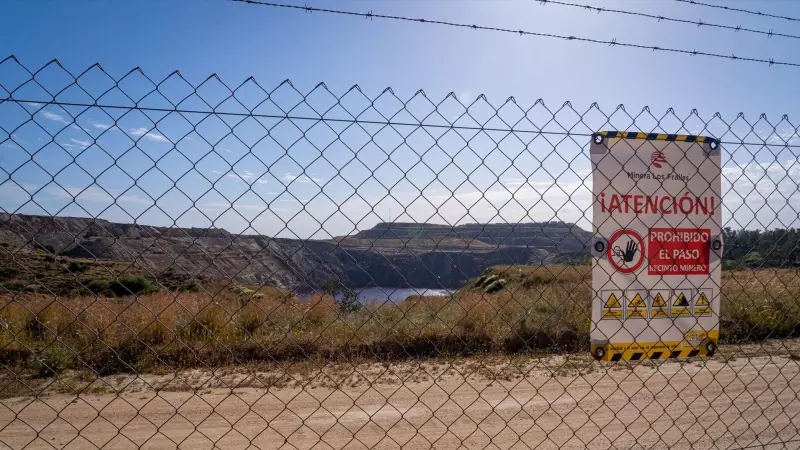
657 159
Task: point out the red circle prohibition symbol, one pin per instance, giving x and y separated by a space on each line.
611 252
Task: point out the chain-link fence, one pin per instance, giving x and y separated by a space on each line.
208 265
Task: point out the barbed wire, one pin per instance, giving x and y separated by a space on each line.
613 42
698 22
741 10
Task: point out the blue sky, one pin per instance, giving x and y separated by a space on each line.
188 169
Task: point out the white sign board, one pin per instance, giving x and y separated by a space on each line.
657 245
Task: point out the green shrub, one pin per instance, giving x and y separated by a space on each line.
52 361
14 287
77 267
753 259
7 273
331 287
242 290
34 328
132 284
122 286
100 287
189 287
349 301
345 297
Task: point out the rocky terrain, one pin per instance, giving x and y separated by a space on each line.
397 254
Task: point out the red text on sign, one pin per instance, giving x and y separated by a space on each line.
678 251
658 204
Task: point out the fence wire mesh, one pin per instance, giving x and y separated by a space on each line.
206 265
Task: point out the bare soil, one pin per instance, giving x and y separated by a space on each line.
746 396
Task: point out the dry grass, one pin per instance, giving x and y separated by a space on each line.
538 309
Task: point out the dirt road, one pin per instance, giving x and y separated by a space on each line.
746 402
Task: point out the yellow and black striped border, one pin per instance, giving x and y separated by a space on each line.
657 136
634 351
635 355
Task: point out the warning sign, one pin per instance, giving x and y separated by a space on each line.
702 307
656 246
612 302
678 251
626 251
659 307
637 302
612 308
637 307
681 306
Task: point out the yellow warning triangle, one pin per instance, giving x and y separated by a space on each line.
702 300
637 302
659 301
681 301
612 302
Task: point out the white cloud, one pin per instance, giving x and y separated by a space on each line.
761 193
245 175
753 170
239 206
94 193
134 199
753 194
568 201
293 200
250 207
227 174
100 126
513 181
9 144
80 143
75 126
148 134
785 137
54 117
33 104
15 195
288 177
756 193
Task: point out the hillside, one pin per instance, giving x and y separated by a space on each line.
405 254
556 236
